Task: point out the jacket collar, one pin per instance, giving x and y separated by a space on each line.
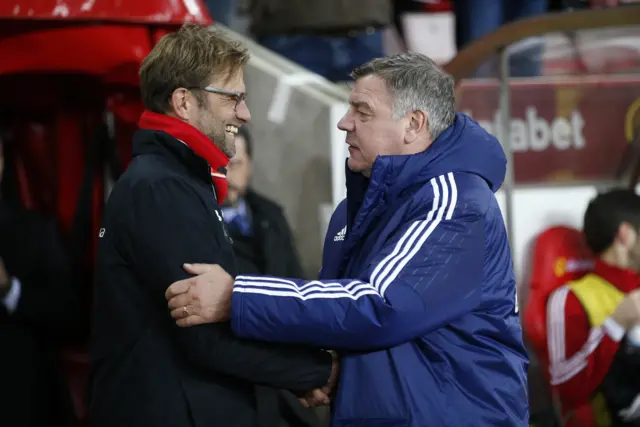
390 177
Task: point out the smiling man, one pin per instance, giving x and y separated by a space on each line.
165 209
418 296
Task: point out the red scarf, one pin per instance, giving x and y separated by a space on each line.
194 139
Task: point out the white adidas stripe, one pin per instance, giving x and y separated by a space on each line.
444 203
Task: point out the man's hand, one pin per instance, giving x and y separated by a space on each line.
321 396
627 314
205 298
316 397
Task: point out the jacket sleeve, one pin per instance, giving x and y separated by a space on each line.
579 355
428 274
171 226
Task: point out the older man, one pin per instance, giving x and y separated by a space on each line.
417 291
262 240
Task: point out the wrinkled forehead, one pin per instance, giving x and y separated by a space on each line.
372 92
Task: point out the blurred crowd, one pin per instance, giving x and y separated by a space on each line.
332 37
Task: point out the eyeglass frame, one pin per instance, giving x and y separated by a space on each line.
239 96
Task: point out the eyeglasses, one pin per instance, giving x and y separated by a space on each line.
238 96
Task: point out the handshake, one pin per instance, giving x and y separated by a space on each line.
206 298
321 396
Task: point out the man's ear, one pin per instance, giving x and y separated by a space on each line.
626 235
416 125
181 102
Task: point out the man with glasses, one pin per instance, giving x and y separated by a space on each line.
164 211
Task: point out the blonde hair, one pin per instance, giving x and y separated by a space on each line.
190 58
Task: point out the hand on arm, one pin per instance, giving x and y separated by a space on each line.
426 275
162 239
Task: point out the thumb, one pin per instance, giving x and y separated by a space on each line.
197 269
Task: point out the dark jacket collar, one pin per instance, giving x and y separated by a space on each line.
160 143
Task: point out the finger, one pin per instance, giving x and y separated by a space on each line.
192 320
311 403
197 269
320 397
177 288
315 403
304 403
179 313
180 301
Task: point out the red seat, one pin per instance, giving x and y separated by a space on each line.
560 255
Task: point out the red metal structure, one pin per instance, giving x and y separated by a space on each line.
69 74
64 65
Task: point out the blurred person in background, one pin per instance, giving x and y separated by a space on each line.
40 312
594 361
417 292
477 18
262 239
262 243
164 211
328 37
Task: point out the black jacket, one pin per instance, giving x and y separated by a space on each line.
48 316
270 249
147 371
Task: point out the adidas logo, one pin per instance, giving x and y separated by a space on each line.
340 236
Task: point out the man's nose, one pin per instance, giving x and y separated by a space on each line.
242 112
345 124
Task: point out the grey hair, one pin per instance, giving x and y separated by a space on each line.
416 82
